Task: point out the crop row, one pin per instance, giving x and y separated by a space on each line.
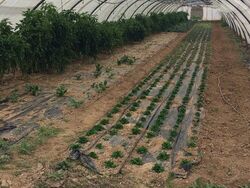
99 127
174 132
150 108
47 40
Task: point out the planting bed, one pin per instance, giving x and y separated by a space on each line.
145 132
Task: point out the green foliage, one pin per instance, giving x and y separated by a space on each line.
136 130
126 60
109 164
63 165
3 145
163 156
136 161
100 87
117 154
13 96
98 70
199 183
158 168
93 155
75 146
75 103
29 144
61 90
142 150
46 39
99 146
82 140
166 145
33 89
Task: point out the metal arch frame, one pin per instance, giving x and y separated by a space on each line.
77 3
158 9
93 11
84 5
164 8
238 10
155 1
38 4
115 9
128 8
242 30
231 18
239 21
173 8
139 8
154 7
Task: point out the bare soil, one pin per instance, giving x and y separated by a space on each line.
23 171
224 139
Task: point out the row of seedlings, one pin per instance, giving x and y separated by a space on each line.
191 156
99 145
129 119
145 116
168 144
126 102
159 120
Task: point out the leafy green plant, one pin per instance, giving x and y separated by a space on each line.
98 70
142 150
126 60
82 140
117 154
100 87
166 145
75 146
158 168
61 90
136 161
14 96
93 155
113 132
163 156
63 165
136 130
33 89
75 103
199 183
109 164
99 146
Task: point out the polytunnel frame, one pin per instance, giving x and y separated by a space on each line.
242 30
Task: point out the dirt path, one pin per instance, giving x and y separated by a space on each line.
78 120
224 139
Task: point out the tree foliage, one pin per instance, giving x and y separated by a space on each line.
47 40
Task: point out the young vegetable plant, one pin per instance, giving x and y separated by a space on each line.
61 90
32 89
75 103
117 154
99 146
109 164
93 155
158 168
142 150
98 70
126 60
13 96
136 161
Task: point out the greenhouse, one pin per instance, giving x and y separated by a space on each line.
125 93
